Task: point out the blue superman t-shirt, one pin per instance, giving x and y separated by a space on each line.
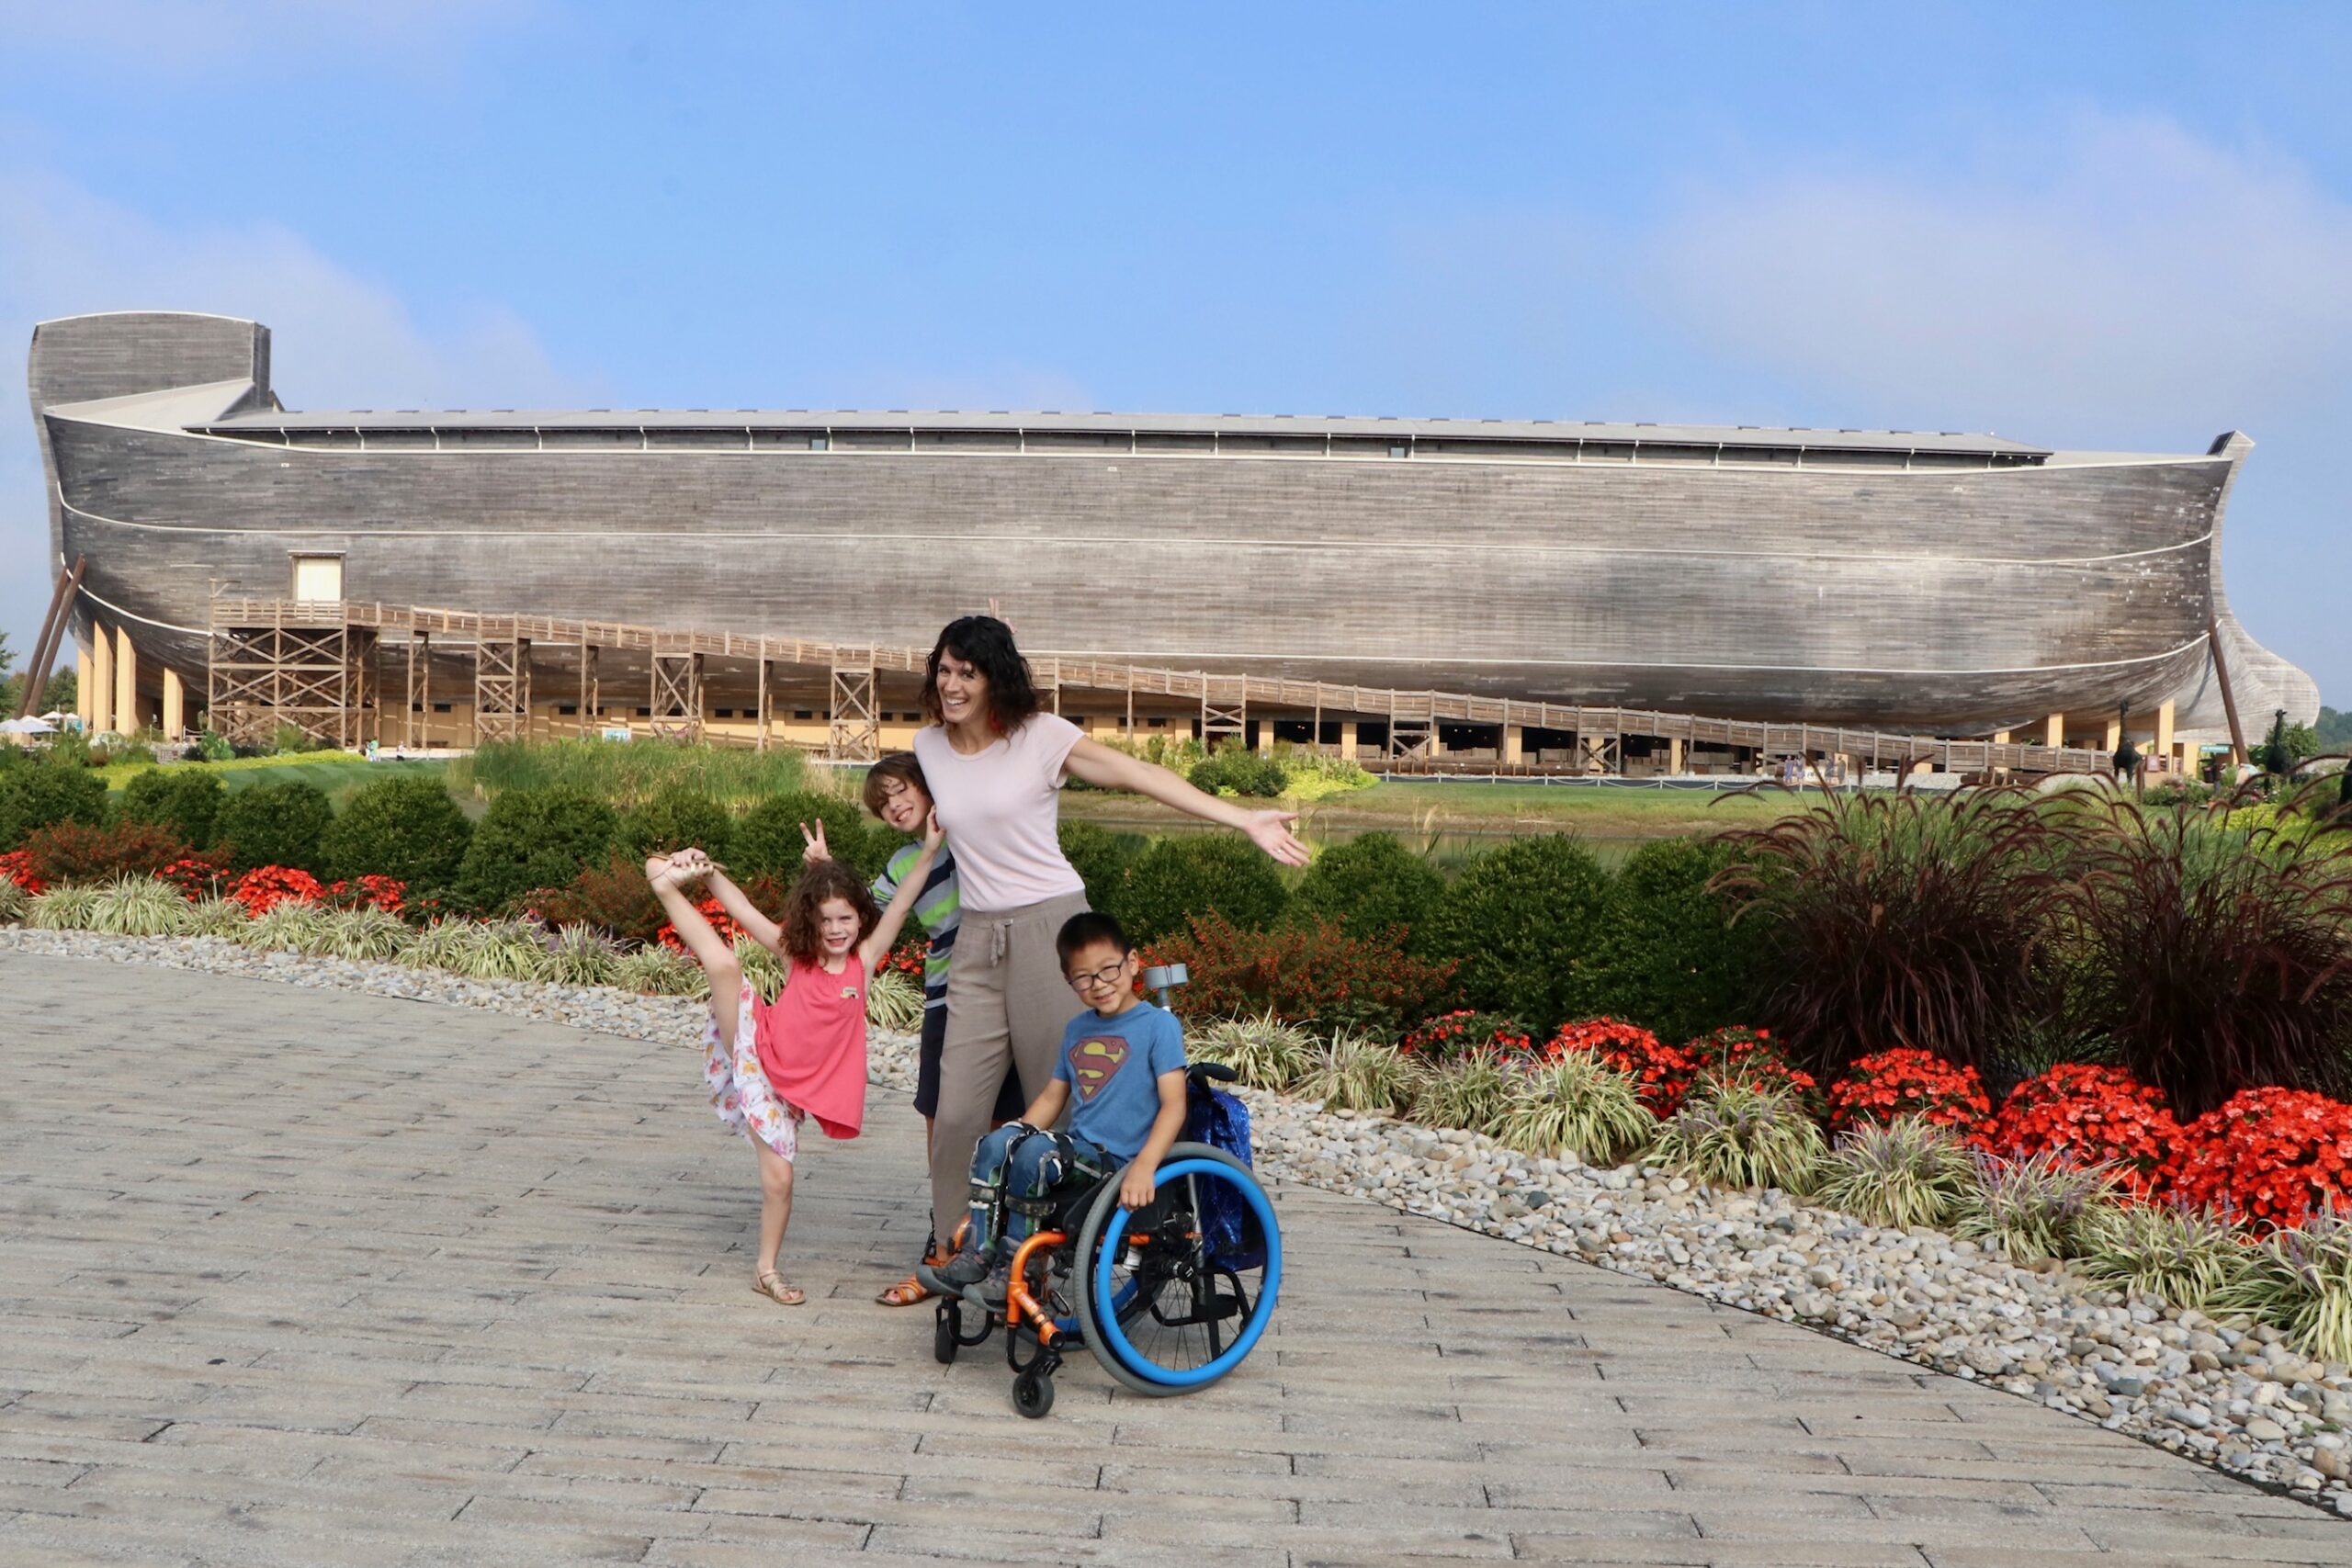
1113 1067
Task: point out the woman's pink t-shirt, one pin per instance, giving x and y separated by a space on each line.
1001 810
811 1044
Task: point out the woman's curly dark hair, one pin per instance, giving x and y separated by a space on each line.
826 879
986 644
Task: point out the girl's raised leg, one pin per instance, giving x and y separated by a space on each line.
667 877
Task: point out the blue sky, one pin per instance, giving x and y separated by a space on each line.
2126 226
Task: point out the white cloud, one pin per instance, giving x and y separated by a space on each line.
2120 272
338 339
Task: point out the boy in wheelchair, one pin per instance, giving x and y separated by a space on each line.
1120 1076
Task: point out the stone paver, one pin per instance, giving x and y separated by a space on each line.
296 1277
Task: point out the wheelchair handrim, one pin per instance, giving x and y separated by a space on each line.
1115 1336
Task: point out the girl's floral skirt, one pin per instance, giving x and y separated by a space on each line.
739 1092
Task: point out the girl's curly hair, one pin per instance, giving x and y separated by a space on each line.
985 643
826 879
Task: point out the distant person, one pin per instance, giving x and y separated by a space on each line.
995 764
769 1064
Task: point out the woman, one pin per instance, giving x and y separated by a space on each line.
995 765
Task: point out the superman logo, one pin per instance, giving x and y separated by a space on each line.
1095 1062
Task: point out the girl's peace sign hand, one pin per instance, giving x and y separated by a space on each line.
813 849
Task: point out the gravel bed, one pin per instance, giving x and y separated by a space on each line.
2240 1400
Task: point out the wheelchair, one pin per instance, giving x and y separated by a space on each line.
1167 1299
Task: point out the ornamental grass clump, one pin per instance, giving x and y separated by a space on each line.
765 972
1741 1134
441 945
894 1003
367 933
582 956
657 971
1474 1093
1577 1107
2216 956
503 949
217 917
2274 1156
1355 1071
13 901
1901 920
2038 1207
2091 1116
2301 1280
1903 1173
1265 1051
290 927
138 906
2189 1258
67 909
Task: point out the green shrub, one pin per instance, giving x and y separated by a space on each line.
1577 1105
1196 875
533 838
405 827
1742 1134
184 797
74 851
1233 767
1368 885
1101 858
679 818
1312 974
768 841
214 747
1905 1172
1516 919
45 794
275 824
1666 955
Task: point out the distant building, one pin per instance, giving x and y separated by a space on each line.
1952 584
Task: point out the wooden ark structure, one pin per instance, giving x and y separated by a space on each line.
1501 587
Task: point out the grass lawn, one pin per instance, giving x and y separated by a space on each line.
339 774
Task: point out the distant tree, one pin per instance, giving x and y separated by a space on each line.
2334 731
63 692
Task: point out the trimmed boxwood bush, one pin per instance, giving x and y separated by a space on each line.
184 797
39 794
677 818
534 838
1101 858
1232 766
1200 874
1666 955
405 827
1366 886
275 824
768 837
1517 919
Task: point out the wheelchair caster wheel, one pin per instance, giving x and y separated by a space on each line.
946 1331
1033 1395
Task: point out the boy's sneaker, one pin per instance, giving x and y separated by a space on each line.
966 1268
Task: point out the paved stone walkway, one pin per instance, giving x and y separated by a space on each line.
296 1277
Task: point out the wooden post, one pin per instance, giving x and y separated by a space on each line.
2167 715
588 693
1514 746
760 744
2229 698
100 685
52 632
1674 754
1348 739
2057 732
174 705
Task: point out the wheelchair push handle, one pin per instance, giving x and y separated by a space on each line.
1210 1072
1163 978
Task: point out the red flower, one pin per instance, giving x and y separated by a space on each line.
264 887
16 865
1662 1073
2093 1116
1466 1034
1905 1082
2275 1157
712 910
1739 1055
196 877
386 893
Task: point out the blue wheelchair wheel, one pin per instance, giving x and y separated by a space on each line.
1174 1297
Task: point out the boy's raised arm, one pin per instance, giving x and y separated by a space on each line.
885 934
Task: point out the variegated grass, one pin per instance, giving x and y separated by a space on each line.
582 956
2187 1256
63 908
1356 1071
2038 1208
1741 1134
657 971
1905 1172
138 906
1264 1052
1472 1092
1576 1106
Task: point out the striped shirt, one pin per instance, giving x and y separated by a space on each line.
938 909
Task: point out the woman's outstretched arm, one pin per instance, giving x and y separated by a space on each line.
1269 829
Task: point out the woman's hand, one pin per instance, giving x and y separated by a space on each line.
813 850
1269 830
1136 1188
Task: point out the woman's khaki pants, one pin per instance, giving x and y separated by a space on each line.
1007 1002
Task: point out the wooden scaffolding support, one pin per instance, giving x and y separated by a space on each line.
501 687
677 695
417 713
1412 725
591 689
1224 710
319 678
853 732
766 679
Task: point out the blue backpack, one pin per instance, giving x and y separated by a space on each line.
1228 1227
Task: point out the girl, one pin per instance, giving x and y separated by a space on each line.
770 1064
995 764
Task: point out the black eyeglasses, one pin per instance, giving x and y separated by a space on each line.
1105 977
